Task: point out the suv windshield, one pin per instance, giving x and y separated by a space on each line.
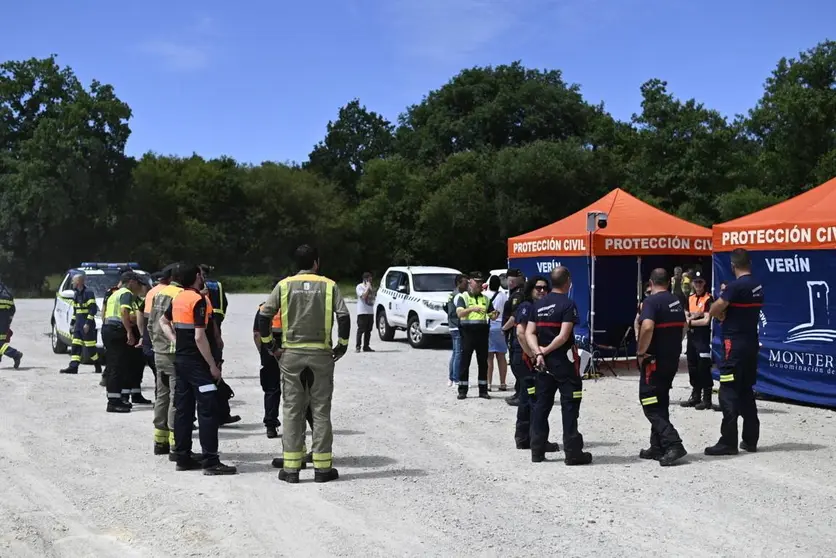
100 283
434 282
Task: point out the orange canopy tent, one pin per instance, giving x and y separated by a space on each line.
634 229
805 222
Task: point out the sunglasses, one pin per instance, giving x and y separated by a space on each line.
540 287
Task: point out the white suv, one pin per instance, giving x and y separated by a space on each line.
99 277
414 299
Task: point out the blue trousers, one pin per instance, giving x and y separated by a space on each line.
5 348
84 344
456 357
195 388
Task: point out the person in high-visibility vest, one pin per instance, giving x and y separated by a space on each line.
120 334
7 312
698 349
308 303
185 323
474 310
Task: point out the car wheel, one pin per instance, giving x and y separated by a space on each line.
414 334
384 330
58 346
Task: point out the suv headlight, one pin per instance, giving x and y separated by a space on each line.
437 306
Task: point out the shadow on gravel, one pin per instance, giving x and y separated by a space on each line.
346 432
385 474
32 368
770 411
598 444
614 459
791 446
363 461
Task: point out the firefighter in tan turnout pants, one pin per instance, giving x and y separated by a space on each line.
308 303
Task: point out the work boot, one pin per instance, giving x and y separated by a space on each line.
751 448
552 447
117 407
192 455
368 350
188 464
538 457
289 477
272 432
126 400
652 452
17 360
484 395
69 370
693 400
326 475
161 448
98 367
230 419
219 469
674 454
720 449
357 349
139 399
103 382
513 401
705 404
278 463
461 396
582 458
523 445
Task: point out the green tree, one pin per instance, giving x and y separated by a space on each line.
795 122
357 137
743 201
62 168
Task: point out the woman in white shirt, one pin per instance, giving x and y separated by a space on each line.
497 346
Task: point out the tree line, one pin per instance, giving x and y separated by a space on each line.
495 152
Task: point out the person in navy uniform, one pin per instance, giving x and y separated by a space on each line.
662 323
550 333
738 308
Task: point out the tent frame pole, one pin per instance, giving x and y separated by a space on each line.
592 370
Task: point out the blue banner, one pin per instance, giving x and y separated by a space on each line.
798 323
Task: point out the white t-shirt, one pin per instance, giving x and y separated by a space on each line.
362 306
498 305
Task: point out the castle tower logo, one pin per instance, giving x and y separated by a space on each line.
818 328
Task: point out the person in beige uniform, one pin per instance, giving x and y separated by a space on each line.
164 361
308 303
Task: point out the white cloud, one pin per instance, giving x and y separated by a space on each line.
177 56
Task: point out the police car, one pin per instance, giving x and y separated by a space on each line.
413 299
99 276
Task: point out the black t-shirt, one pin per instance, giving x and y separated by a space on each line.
521 317
665 309
745 298
550 313
514 300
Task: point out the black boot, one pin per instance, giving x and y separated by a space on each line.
230 420
513 401
705 404
288 477
188 464
720 449
582 458
693 400
117 407
139 399
161 448
751 448
98 367
17 359
220 469
652 452
674 454
69 370
272 432
326 476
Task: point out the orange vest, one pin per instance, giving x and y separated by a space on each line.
149 298
277 320
697 303
182 310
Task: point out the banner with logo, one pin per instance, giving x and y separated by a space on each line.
798 323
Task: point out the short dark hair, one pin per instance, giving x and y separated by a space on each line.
494 283
367 275
560 277
740 259
659 277
459 278
189 273
305 257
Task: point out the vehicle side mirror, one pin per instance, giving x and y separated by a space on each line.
402 288
68 293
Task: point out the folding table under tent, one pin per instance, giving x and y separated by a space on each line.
793 250
612 262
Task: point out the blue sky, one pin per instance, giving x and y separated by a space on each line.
260 81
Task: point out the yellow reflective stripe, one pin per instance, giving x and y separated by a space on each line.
2 336
531 390
577 394
650 400
321 456
3 348
343 342
89 343
77 341
322 460
726 377
161 436
283 298
267 340
329 312
95 357
75 358
306 346
171 438
292 463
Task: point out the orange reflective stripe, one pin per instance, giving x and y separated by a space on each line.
182 310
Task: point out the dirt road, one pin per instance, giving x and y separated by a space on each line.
421 473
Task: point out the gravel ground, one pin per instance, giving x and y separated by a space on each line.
421 473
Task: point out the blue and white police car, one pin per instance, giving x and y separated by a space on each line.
99 276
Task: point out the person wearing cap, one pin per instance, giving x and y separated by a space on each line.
120 334
84 327
698 349
516 296
474 310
